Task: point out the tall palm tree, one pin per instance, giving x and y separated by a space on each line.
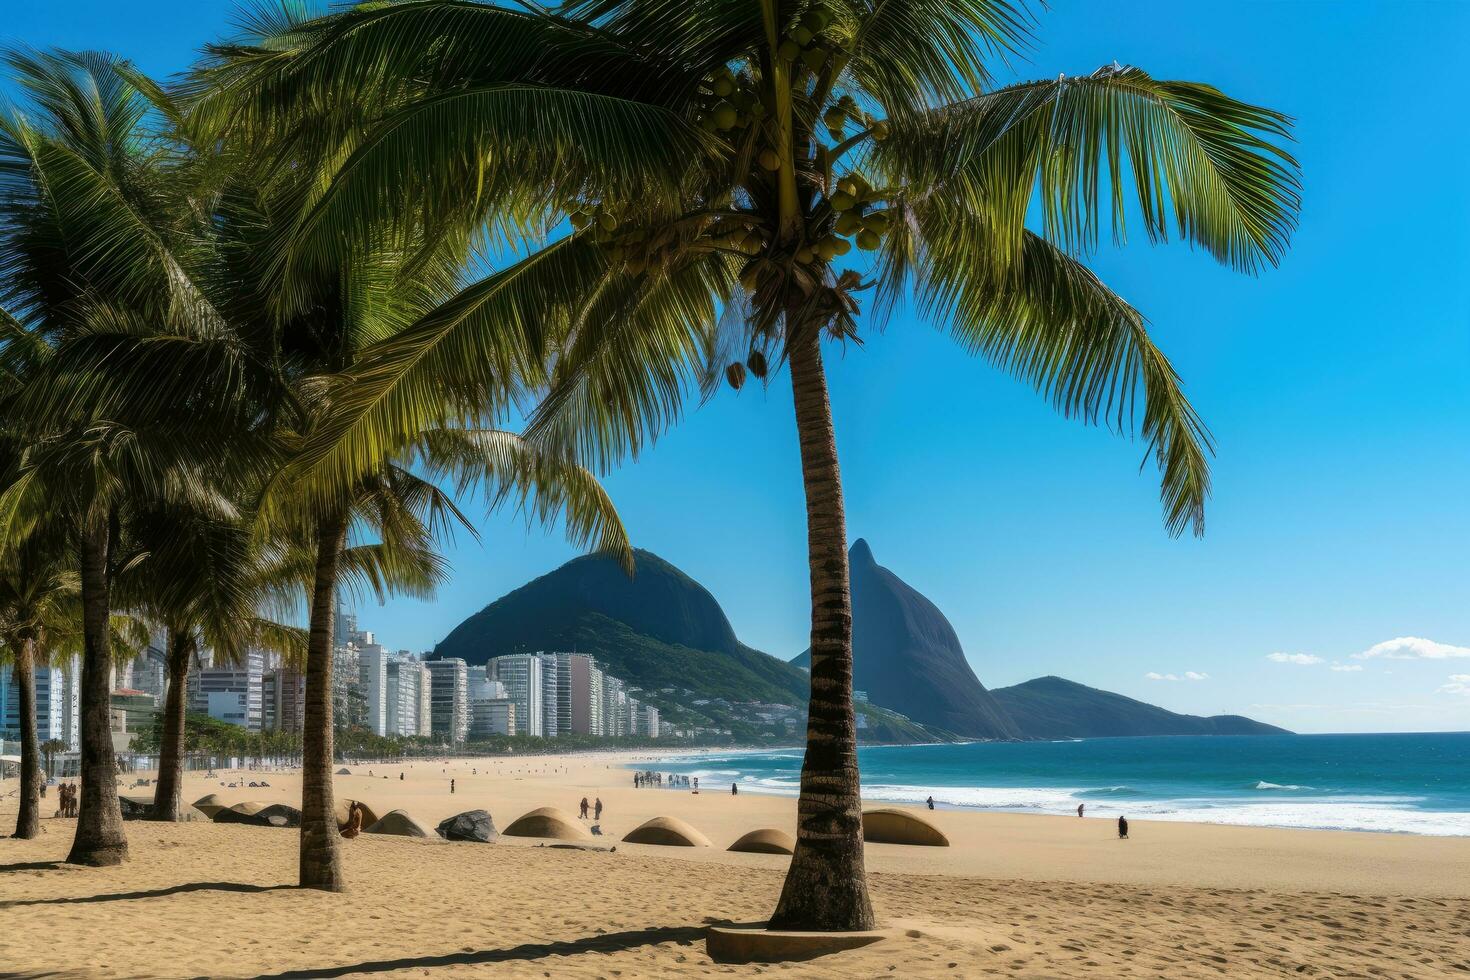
717 161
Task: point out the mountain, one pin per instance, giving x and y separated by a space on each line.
907 657
659 628
663 632
1053 707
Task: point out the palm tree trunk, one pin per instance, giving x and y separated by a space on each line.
826 886
321 854
100 840
166 804
28 821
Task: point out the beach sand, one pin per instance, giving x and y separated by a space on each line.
1016 895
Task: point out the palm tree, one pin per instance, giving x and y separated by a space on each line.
377 518
207 582
91 226
717 160
38 591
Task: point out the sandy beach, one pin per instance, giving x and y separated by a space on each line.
1017 894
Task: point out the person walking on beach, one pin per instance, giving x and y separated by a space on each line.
597 810
451 787
930 801
1122 828
734 790
1079 809
584 808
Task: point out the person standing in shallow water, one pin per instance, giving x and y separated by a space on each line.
1079 808
1122 828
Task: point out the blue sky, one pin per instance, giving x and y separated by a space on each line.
1336 387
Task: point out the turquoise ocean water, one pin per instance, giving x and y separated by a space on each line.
1418 784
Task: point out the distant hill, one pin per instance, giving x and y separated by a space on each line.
908 657
1053 707
658 630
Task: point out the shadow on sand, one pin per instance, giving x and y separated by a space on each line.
612 942
193 886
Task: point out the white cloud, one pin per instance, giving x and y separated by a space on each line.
1412 648
1347 667
1156 676
1188 675
1459 684
1191 675
1304 659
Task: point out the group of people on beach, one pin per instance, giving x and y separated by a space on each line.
657 780
596 809
68 794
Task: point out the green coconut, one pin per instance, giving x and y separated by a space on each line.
877 221
868 240
841 246
723 87
827 248
789 50
814 58
804 255
606 221
769 159
843 201
880 131
848 223
580 219
802 35
815 20
725 115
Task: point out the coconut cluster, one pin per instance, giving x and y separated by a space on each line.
728 101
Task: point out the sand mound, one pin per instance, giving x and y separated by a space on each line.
766 840
344 771
901 827
547 821
209 805
399 824
667 831
344 813
260 815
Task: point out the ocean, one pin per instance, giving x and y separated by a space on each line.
1412 784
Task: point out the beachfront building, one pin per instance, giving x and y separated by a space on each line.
584 692
408 695
450 702
51 715
522 675
614 707
372 674
283 700
551 724
230 692
492 716
649 724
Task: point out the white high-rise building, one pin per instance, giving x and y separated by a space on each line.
614 707
650 722
372 672
551 723
521 673
449 684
